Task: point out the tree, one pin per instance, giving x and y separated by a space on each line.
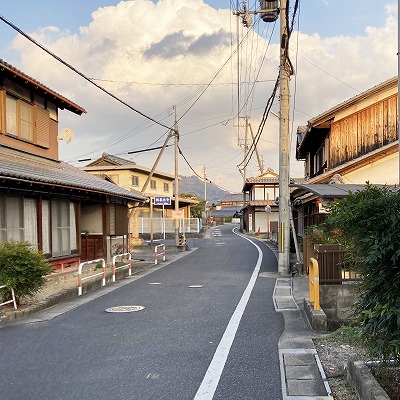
368 226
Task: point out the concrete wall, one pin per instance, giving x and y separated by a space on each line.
337 302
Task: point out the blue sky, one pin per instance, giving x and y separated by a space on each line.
344 47
325 17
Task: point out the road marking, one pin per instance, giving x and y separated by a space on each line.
153 376
213 374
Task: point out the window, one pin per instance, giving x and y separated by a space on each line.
135 180
19 118
320 159
63 230
18 219
166 187
300 222
153 184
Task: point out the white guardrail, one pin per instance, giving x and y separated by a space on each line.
128 257
156 253
126 264
12 295
102 273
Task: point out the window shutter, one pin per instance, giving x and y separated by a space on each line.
42 127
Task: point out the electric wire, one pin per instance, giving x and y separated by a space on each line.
200 177
59 59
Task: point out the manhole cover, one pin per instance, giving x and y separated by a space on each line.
119 309
196 286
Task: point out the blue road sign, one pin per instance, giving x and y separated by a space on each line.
162 201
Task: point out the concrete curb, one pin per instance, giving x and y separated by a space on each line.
317 319
72 293
361 378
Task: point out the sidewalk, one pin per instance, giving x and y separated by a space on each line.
302 374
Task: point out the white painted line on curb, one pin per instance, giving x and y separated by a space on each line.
213 374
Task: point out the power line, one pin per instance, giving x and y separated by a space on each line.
175 84
78 72
200 177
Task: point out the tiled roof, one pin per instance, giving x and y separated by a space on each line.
63 102
28 167
107 159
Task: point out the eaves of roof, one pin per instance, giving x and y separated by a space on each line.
325 190
262 203
329 114
61 101
259 181
30 168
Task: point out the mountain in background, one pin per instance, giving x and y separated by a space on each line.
192 184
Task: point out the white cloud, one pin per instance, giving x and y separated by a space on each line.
144 48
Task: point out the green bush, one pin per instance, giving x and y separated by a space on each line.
22 268
368 224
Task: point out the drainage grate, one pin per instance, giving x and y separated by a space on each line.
120 309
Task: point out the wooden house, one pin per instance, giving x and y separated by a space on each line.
65 212
343 148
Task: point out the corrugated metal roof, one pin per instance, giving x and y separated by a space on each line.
326 190
28 167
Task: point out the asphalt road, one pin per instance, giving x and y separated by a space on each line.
217 340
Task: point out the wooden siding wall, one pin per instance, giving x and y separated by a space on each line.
364 131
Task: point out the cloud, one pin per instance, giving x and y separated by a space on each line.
170 46
182 53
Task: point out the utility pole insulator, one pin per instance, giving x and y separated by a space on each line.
247 20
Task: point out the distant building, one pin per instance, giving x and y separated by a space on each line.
261 214
133 177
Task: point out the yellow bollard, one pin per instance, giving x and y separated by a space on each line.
313 279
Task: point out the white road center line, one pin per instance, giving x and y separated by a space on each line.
213 374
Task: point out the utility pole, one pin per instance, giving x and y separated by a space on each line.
176 194
284 147
246 149
205 194
269 13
